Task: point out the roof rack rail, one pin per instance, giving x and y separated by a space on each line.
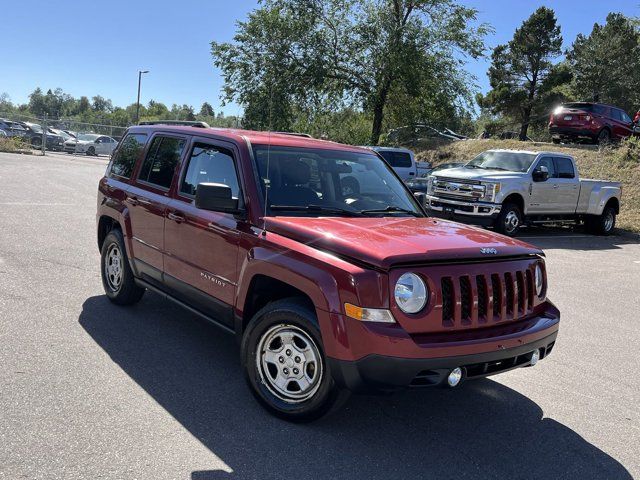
177 122
295 134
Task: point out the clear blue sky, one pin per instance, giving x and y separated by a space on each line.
97 47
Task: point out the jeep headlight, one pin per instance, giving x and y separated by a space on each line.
411 293
539 280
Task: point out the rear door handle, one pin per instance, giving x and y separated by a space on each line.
176 217
555 186
132 201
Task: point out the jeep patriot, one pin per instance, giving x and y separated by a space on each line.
327 289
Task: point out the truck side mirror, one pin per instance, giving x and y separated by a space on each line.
541 174
421 197
216 197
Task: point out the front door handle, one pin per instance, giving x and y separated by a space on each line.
132 201
176 217
555 186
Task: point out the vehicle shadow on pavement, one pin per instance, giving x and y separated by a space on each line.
191 368
576 239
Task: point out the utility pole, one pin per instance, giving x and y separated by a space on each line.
140 72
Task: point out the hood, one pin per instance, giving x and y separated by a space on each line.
384 242
477 174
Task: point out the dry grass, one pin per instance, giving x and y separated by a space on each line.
12 145
620 163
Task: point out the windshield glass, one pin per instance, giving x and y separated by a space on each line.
35 127
510 161
89 137
318 182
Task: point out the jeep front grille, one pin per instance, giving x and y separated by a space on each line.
486 298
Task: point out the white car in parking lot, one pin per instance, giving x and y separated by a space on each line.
91 144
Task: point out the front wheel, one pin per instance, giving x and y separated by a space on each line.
510 219
284 363
91 152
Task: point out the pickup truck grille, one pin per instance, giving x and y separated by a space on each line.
458 189
495 298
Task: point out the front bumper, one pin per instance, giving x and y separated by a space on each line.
381 373
381 357
478 213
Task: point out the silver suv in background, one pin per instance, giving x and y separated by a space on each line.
510 188
403 161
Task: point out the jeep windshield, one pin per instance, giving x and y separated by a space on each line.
508 161
327 183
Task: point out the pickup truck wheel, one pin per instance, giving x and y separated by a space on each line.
117 277
603 224
284 363
509 220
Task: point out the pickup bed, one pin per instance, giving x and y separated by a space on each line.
507 189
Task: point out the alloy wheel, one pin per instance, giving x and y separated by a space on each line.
113 267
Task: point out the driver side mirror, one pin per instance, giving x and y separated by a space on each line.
541 174
216 197
421 197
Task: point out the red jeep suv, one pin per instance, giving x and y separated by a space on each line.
327 290
593 122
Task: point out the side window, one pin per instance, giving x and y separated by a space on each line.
548 162
616 114
160 165
397 159
564 168
209 164
599 110
125 159
625 118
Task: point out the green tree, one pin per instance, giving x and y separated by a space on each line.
207 110
606 63
295 56
522 75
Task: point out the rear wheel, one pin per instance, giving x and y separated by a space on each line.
603 224
509 220
604 137
117 277
284 363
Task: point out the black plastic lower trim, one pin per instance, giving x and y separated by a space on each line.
383 373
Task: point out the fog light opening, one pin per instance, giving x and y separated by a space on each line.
535 356
454 377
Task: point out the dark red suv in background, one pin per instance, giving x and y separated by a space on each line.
327 289
593 122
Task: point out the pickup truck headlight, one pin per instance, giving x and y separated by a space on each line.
491 191
411 293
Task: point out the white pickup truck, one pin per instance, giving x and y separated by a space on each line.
510 188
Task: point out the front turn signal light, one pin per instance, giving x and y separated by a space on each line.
378 315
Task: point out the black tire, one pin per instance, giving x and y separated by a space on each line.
510 219
123 291
91 151
604 137
556 141
602 224
36 142
288 315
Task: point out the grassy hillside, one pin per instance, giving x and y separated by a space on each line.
621 163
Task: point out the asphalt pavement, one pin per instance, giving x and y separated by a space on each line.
89 390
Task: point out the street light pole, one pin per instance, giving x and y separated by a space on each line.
140 72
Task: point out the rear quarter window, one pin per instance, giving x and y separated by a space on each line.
564 168
397 159
124 160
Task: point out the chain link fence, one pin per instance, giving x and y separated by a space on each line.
42 134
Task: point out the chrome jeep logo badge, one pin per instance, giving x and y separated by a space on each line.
488 251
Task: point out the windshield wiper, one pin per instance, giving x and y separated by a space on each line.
315 208
499 168
473 166
391 209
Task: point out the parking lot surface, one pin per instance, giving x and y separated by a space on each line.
92 390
